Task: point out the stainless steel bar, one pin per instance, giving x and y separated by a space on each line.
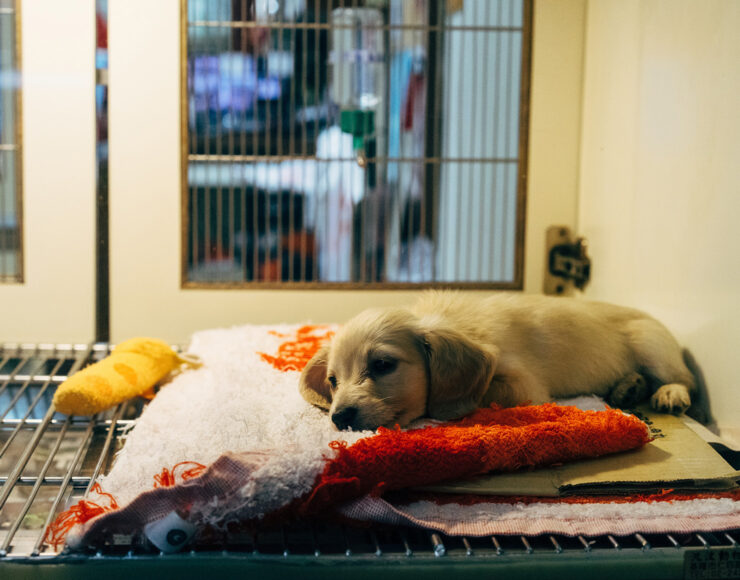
24 386
212 158
304 150
423 41
347 546
468 548
732 540
329 26
673 541
438 88
408 40
438 547
483 272
585 543
3 361
279 144
268 153
446 148
20 424
213 248
291 154
65 483
644 544
703 541
315 542
376 543
527 546
390 189
193 135
463 233
365 207
13 375
242 150
205 205
256 127
231 188
106 446
558 548
25 456
509 100
79 482
406 545
10 534
497 545
497 215
474 248
284 541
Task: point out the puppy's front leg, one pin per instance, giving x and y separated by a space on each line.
671 398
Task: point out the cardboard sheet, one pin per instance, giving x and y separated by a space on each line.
678 458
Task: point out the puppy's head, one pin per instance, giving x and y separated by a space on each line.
388 367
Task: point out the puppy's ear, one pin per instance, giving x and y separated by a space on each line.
460 373
313 385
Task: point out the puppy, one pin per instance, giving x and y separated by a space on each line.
449 354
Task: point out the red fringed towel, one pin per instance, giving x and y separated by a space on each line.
489 440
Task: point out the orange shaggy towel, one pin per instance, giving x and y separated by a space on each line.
489 440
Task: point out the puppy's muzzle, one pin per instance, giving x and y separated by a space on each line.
344 417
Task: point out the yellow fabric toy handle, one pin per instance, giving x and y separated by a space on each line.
132 369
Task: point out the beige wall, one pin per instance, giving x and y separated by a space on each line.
555 127
56 301
660 174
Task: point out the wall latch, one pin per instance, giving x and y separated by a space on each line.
568 263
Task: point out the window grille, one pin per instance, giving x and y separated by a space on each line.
11 262
352 143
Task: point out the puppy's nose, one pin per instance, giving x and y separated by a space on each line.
344 418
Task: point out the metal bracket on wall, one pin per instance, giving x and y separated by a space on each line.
568 265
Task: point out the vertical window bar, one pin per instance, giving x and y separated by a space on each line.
509 153
435 85
461 194
251 16
214 246
291 153
242 182
280 151
475 248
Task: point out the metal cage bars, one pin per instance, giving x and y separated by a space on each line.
241 230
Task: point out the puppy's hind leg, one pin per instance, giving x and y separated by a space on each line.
628 392
658 355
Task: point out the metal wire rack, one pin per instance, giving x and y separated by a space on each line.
48 462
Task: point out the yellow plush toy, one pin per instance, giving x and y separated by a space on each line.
132 369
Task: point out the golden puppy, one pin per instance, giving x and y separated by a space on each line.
448 354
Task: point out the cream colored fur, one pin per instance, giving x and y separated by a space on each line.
447 354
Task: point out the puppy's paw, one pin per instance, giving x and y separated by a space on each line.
628 392
673 398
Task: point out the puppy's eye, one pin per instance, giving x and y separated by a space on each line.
383 366
333 382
